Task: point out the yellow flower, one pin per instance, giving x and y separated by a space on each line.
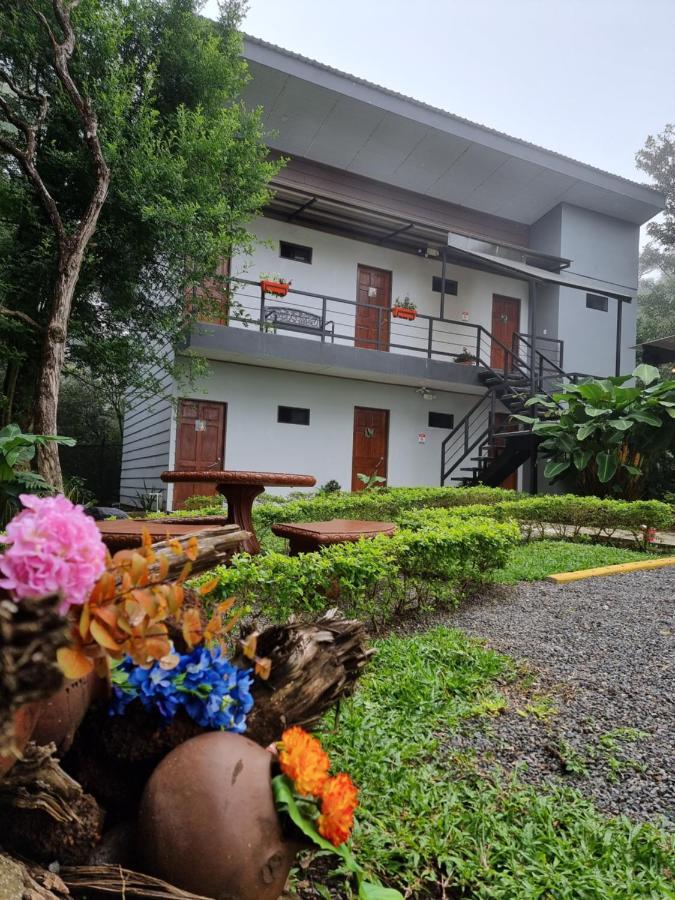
338 802
304 761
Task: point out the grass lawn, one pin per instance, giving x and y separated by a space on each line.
430 826
537 559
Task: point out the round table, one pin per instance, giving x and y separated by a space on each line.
240 490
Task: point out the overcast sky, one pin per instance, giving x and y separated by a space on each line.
588 78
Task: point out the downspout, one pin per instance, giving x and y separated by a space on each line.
532 316
443 265
619 312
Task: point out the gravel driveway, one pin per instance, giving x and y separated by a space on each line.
597 708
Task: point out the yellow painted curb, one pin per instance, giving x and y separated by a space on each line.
620 569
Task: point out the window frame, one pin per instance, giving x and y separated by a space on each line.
303 409
291 258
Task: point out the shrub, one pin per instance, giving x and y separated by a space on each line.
383 503
563 512
371 579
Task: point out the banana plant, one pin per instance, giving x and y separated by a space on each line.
607 433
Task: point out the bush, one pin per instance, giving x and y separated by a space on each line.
562 512
374 580
383 503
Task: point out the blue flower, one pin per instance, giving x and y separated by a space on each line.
212 691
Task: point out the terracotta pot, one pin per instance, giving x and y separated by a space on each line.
208 824
62 714
404 312
23 723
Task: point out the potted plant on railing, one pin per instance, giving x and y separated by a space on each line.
465 358
274 284
404 309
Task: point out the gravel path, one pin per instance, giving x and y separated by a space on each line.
602 653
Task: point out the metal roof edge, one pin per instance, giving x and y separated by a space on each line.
504 142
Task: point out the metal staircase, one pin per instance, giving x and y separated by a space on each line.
486 446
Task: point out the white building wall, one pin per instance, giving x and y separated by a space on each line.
255 440
333 272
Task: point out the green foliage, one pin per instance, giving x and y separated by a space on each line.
372 481
426 815
17 451
188 169
536 560
330 487
375 580
566 514
605 434
381 504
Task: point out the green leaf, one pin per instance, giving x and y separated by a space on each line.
646 374
639 415
607 461
620 424
594 411
581 458
528 420
585 430
671 412
632 469
555 467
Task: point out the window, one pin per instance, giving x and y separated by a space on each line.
292 415
295 251
596 301
441 420
450 285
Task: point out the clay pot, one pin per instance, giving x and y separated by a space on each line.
208 823
23 723
62 714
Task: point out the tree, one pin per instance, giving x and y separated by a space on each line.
128 169
657 159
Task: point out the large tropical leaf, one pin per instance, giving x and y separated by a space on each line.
594 411
581 458
646 374
555 467
620 424
607 462
639 415
585 430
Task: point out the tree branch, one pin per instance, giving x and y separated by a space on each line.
17 314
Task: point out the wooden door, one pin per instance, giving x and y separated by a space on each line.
371 330
200 444
505 323
371 444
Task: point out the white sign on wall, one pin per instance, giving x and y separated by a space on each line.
421 438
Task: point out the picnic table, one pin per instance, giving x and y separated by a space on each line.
310 536
127 534
240 490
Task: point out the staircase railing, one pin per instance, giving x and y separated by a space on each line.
474 430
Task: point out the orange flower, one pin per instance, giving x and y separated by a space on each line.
304 761
338 802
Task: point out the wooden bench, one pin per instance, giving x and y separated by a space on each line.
292 319
306 537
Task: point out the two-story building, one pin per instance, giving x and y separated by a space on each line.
521 265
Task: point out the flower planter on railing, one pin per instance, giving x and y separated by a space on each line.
403 312
276 288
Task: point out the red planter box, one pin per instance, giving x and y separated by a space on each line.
275 287
402 312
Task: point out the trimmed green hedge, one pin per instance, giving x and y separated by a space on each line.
561 512
374 580
382 503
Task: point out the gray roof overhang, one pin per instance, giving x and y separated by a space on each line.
462 248
319 113
659 351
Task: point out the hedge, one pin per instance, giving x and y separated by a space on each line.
382 503
567 514
374 580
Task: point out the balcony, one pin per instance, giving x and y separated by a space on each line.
307 331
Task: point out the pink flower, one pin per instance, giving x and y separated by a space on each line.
54 547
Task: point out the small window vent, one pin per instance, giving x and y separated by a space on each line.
292 415
296 252
450 285
441 420
596 301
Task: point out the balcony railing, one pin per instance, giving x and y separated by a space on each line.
328 319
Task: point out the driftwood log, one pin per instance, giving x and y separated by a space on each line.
212 548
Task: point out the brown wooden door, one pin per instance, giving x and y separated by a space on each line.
505 322
371 329
200 444
371 444
503 422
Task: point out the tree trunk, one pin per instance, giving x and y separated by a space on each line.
51 364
